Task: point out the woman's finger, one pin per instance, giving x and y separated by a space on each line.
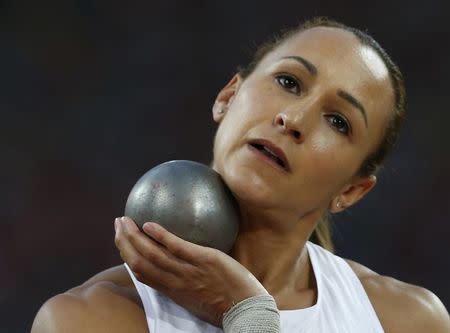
150 249
155 276
177 246
127 251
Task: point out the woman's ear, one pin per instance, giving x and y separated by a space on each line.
225 97
352 193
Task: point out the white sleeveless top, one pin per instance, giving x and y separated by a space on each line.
342 304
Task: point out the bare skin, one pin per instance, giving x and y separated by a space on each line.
109 302
325 139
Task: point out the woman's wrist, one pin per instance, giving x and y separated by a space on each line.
255 314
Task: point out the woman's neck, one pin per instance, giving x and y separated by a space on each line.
273 249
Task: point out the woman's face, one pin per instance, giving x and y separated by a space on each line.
322 99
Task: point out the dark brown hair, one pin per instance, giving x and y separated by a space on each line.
373 162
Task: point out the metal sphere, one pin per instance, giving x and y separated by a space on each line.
190 200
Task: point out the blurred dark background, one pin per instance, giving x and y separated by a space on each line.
95 93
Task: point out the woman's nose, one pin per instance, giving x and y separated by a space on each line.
285 123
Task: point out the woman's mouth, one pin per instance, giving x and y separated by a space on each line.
270 153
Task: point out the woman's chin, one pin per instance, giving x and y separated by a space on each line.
250 190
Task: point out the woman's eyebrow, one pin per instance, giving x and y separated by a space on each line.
353 101
307 64
341 93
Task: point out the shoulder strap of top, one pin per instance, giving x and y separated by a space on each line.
337 278
165 316
146 300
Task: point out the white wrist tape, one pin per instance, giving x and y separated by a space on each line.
257 314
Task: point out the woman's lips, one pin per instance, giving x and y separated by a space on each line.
262 156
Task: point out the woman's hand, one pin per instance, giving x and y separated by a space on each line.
203 280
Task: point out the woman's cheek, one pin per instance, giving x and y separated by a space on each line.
321 143
327 156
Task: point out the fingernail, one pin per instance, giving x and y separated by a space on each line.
115 223
150 226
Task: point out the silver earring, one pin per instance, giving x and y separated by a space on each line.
338 204
221 110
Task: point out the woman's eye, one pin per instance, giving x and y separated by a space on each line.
339 123
288 82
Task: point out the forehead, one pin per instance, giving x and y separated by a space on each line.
335 46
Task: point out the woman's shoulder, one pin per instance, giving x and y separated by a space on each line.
400 306
107 302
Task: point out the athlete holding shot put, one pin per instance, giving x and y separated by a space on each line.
302 131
